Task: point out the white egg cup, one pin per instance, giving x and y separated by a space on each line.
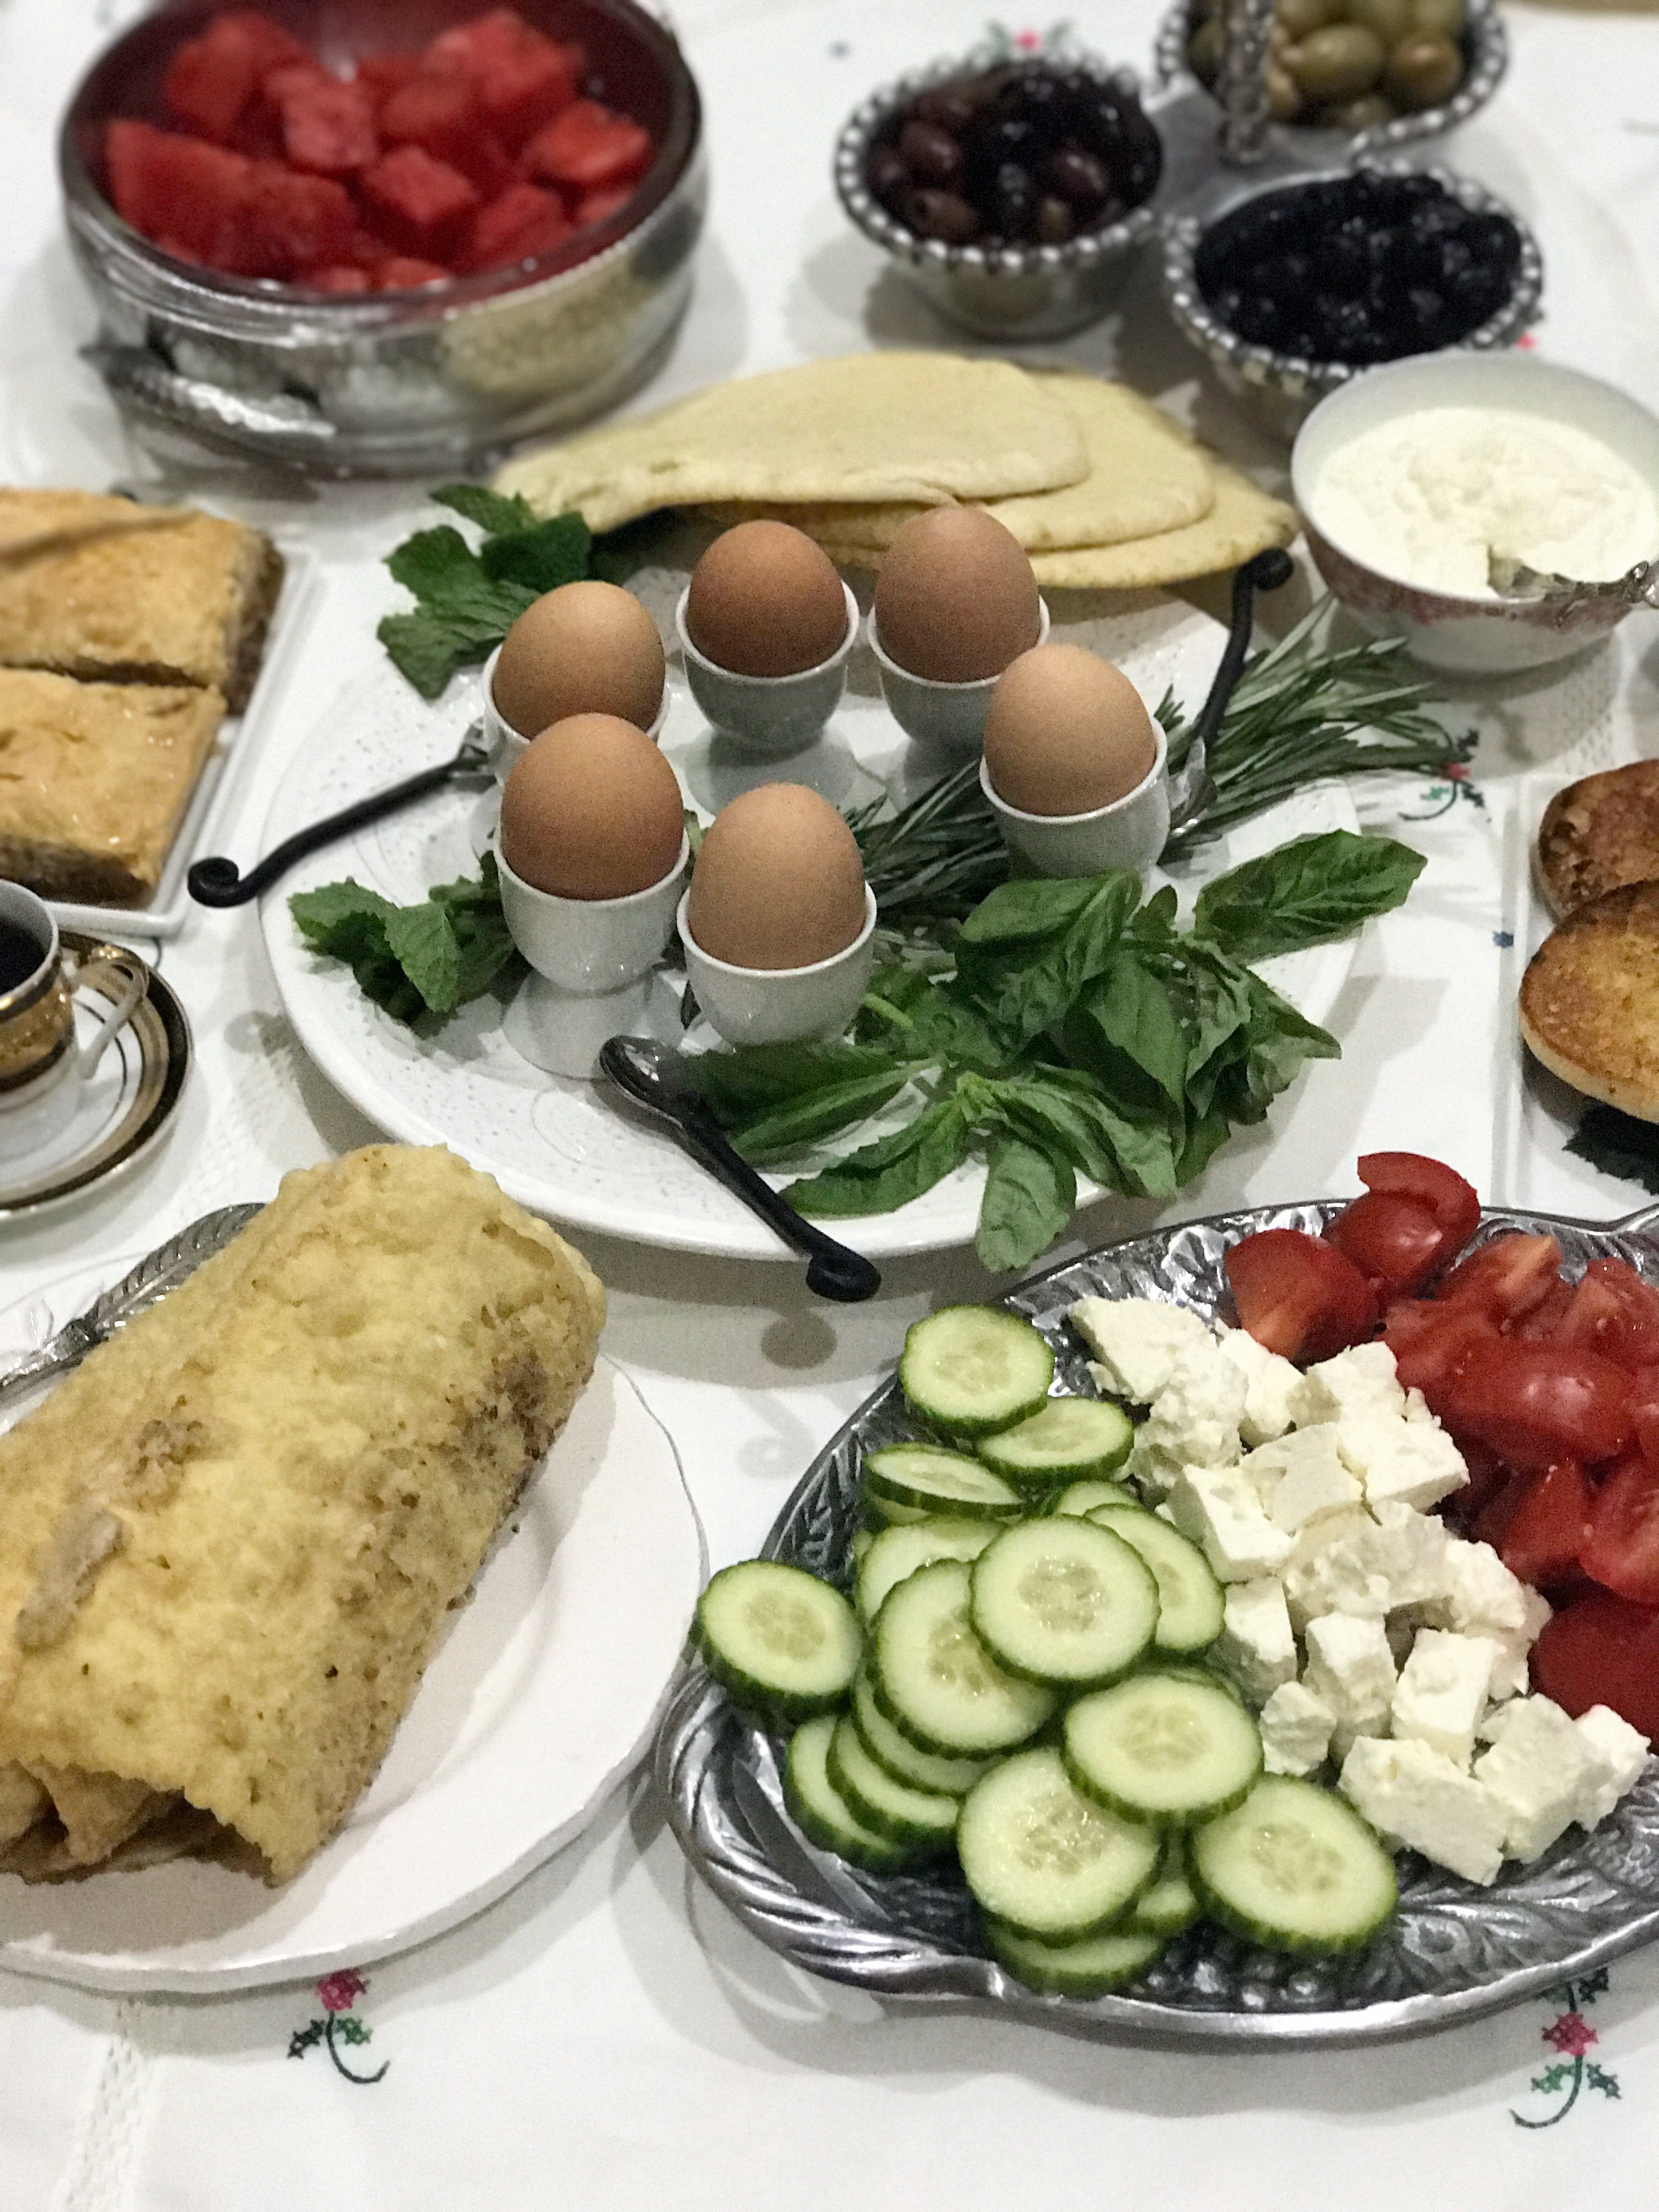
950 717
1131 833
768 716
591 961
782 1005
507 746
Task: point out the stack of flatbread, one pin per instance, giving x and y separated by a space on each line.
1103 491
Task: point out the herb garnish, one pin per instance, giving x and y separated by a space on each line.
428 958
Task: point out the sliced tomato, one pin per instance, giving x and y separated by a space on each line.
1619 1547
1600 1649
1488 1476
1545 1317
1548 1525
1430 1341
1535 1403
1644 1412
1299 1296
1612 1312
1495 1519
1394 1241
1452 1202
1507 1278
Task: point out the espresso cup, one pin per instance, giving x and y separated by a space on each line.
37 1048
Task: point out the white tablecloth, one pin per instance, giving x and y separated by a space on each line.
608 2036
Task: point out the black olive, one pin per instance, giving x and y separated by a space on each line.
946 216
887 176
1013 202
948 105
1137 162
932 155
1056 221
992 140
1077 177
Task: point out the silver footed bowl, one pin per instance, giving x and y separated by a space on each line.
1453 1951
1282 389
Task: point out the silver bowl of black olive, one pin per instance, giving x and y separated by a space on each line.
1015 196
1295 287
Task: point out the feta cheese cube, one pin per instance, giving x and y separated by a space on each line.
1413 1793
1303 1577
1219 1510
1481 1597
1351 1668
1538 1773
1135 1341
1195 1416
1295 1729
1268 1382
1372 1567
1417 1406
1314 1479
1402 1463
1623 1750
1255 1646
1362 1380
1441 1692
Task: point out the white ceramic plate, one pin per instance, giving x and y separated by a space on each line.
563 1147
546 1692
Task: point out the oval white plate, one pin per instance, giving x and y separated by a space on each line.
565 1148
545 1692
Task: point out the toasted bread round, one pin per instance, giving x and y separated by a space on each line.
1598 833
1590 1000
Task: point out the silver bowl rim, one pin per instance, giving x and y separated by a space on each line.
1085 251
1295 374
1486 44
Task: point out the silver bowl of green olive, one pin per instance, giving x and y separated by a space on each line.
1366 77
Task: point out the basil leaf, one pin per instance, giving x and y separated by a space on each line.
814 1115
1030 1193
740 1086
490 510
893 1170
1205 1137
1027 907
1131 1007
1306 892
1027 994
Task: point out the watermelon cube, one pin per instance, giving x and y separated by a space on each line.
522 222
210 80
523 78
343 278
173 187
588 147
420 203
404 271
290 222
440 114
593 207
382 74
328 125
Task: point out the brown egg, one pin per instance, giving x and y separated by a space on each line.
955 599
1066 733
766 601
779 881
587 648
591 811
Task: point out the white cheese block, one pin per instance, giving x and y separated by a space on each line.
1217 1508
1481 1597
1399 1461
1269 1381
1362 1380
1625 1752
1442 1691
1301 1575
1195 1416
1314 1480
1414 1793
1371 1567
1256 1645
1295 1729
1538 1773
1135 1341
1352 1668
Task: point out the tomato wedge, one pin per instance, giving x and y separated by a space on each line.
1619 1547
1454 1203
1547 1527
1395 1241
1535 1403
1505 1278
1612 1312
1430 1341
1600 1649
1299 1296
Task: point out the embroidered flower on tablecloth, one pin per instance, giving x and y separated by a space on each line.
339 1993
1456 782
1572 2034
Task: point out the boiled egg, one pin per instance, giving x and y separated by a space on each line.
766 601
779 881
591 810
587 648
955 599
1066 733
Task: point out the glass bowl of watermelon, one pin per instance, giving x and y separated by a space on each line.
383 237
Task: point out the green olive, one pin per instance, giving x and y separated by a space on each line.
1423 69
1338 62
1363 113
1203 51
1284 94
1390 19
1445 17
1299 17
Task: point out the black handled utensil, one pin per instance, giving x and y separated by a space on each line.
1190 788
219 882
656 1076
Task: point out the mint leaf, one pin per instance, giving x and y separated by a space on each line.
317 913
490 510
1306 892
422 941
433 563
429 648
542 558
1030 1193
427 958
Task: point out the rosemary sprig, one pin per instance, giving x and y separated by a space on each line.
937 857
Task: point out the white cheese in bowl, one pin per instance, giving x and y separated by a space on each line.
1429 498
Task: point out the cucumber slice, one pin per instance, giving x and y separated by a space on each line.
1058 1600
1162 1748
1190 1603
1041 1857
1294 1867
1081 1499
819 1809
972 1370
936 1681
881 1513
1168 1903
925 1819
1069 1438
778 1636
889 1748
938 1481
1087 1969
862 1540
899 1550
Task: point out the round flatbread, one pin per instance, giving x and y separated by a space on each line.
1598 833
1590 1000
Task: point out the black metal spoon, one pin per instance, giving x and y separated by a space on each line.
656 1076
1191 789
218 881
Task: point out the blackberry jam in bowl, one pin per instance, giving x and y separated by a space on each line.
1300 285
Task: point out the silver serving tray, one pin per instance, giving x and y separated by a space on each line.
1453 1952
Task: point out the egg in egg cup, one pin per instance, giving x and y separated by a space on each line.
769 717
1129 833
950 717
781 1006
507 746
